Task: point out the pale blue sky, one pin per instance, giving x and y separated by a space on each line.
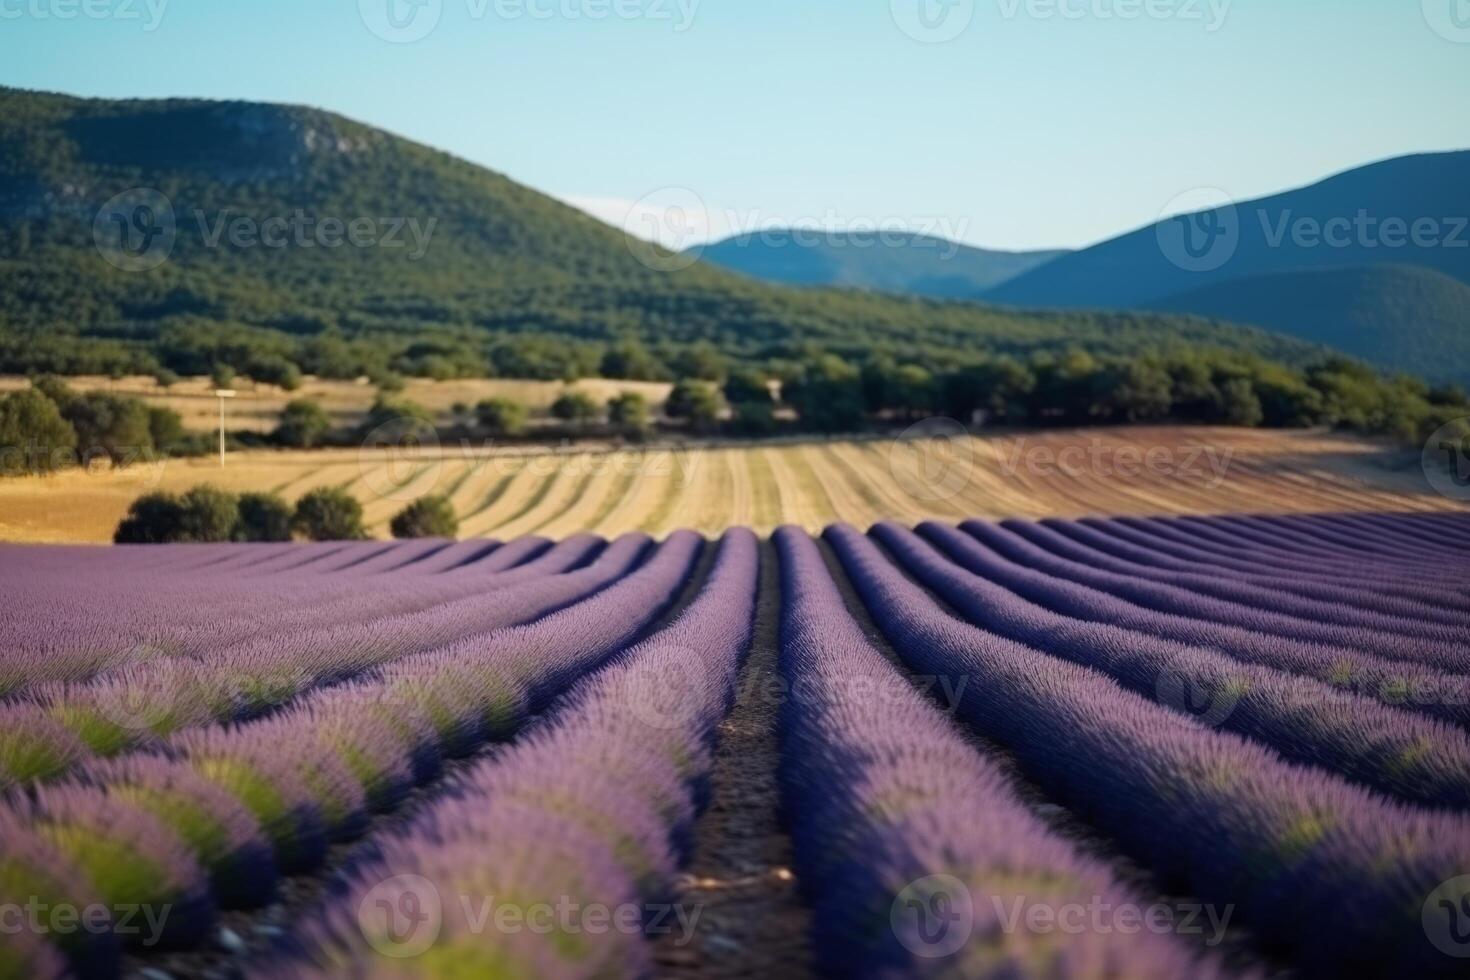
1027 129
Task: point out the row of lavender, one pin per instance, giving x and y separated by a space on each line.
209 817
884 798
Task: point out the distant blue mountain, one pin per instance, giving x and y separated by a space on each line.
1374 262
1364 217
885 262
1406 317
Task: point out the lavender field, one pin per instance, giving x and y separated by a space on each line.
1099 748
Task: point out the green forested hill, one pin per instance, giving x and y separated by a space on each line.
459 270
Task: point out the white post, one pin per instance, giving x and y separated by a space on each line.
222 394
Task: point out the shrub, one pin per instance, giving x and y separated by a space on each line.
576 407
428 517
630 413
119 428
754 419
262 517
747 386
166 378
303 424
329 514
403 419
154 518
502 417
33 435
223 376
207 515
699 402
166 428
1241 404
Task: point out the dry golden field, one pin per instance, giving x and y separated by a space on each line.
257 407
504 493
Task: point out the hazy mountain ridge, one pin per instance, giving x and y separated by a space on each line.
885 261
501 260
1410 317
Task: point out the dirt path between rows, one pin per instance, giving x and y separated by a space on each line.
752 921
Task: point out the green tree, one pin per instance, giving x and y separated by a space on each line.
262 517
154 518
502 417
303 424
33 435
828 396
207 515
631 361
166 429
576 407
408 419
329 514
222 376
702 361
745 386
698 402
1001 388
754 419
117 427
1240 404
427 517
630 413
